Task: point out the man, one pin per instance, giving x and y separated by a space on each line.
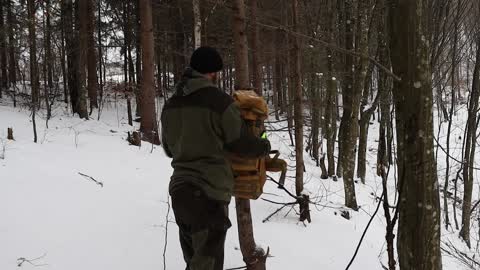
200 124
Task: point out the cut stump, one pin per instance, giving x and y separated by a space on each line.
10 134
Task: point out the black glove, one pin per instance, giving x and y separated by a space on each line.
267 147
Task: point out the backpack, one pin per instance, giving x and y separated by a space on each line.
251 174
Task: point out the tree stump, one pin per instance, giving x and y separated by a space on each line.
304 202
10 134
134 138
323 168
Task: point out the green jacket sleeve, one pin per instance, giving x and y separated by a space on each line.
164 139
237 139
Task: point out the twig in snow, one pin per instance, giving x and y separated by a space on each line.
365 232
272 214
22 260
91 178
237 268
166 235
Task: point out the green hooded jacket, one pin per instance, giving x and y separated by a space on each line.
200 125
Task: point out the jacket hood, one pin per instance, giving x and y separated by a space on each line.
192 81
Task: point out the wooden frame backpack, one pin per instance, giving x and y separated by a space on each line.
251 174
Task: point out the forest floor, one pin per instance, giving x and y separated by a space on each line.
52 217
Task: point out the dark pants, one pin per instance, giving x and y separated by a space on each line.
203 225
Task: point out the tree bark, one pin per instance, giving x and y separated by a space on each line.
48 61
241 45
72 51
296 88
48 44
277 77
138 58
92 56
418 240
255 49
179 50
331 104
364 123
315 112
197 24
82 18
11 44
148 125
351 103
469 151
33 63
253 256
63 52
100 54
3 51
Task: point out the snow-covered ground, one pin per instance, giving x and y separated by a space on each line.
59 219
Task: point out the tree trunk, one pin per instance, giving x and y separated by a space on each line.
33 63
48 44
91 55
138 58
148 125
253 256
3 51
384 92
241 45
255 49
47 61
72 51
345 32
315 108
296 88
469 150
277 77
63 52
330 110
351 103
450 115
418 240
82 108
159 51
364 123
197 24
100 53
179 61
11 44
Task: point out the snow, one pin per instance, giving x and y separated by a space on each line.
48 210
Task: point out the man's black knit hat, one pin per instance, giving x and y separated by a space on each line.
206 60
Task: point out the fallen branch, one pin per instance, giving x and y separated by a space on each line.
22 260
274 213
91 178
